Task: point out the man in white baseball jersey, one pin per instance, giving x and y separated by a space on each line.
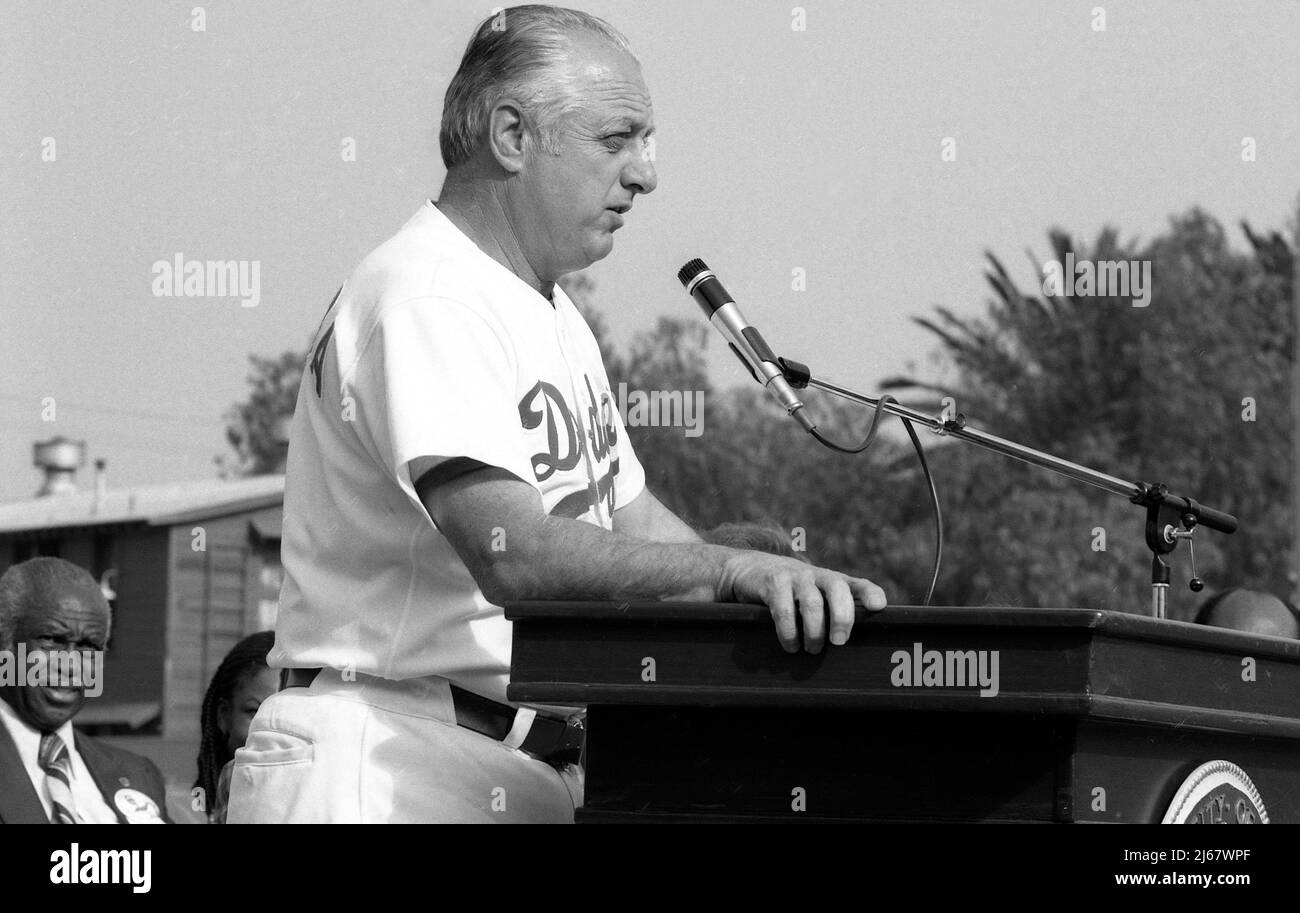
456 446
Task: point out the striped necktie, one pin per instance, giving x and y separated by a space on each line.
57 765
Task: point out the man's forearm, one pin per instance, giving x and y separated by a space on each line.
647 518
516 551
571 559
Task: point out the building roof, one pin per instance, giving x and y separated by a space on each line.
156 505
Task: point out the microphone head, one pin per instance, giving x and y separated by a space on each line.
692 269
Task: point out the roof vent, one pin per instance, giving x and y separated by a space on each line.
60 458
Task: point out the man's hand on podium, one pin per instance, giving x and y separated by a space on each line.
787 586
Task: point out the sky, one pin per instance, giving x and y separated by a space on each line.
131 137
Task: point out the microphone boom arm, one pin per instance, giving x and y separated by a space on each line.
1170 517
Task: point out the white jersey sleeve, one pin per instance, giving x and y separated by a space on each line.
436 379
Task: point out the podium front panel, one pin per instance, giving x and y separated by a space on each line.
1066 715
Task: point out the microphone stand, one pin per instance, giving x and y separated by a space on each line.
1169 517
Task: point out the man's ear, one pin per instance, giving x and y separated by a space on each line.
507 135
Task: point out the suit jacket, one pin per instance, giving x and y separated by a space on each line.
112 769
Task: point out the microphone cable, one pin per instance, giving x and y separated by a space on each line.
925 469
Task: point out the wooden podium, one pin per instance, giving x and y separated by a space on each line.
695 713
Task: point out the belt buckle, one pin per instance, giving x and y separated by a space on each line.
573 745
567 749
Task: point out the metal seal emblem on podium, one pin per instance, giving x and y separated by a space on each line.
1217 792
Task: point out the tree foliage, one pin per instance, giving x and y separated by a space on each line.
1192 390
255 427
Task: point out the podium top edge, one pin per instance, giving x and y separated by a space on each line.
739 612
1094 621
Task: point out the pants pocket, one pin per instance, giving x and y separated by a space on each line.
267 747
272 775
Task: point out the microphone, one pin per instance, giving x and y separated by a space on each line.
750 347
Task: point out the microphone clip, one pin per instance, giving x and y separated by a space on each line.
796 373
1167 525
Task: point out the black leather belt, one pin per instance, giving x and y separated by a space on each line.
551 739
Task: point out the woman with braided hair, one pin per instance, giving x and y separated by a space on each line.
240 684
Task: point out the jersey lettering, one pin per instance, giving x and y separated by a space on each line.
318 356
558 456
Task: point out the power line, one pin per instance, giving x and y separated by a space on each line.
134 413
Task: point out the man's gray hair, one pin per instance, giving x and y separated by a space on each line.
518 53
31 585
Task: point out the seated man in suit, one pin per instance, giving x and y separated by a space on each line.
1252 611
49 773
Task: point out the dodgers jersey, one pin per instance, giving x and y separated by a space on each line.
432 349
